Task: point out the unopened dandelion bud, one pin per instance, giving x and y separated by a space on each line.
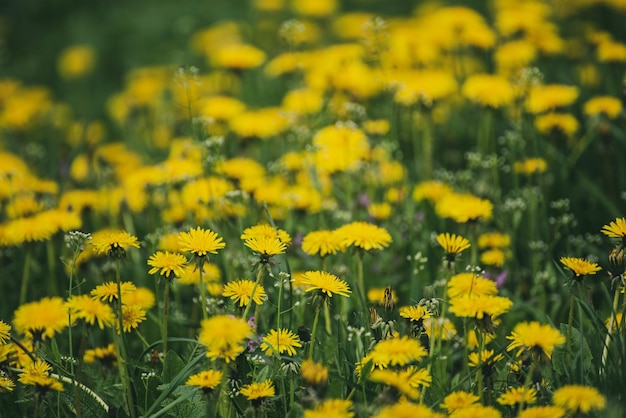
617 260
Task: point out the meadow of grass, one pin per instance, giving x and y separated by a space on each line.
312 208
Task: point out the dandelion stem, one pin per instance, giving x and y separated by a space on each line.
259 277
570 319
28 259
607 340
200 266
166 293
314 330
120 347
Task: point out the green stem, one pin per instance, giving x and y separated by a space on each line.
427 147
570 319
479 374
259 277
120 346
200 266
314 330
361 282
28 259
166 293
607 340
280 299
53 288
527 383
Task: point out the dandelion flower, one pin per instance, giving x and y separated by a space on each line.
42 319
207 380
432 190
5 332
314 373
458 400
6 384
256 392
105 355
542 412
266 231
223 336
406 381
322 242
241 291
535 338
266 247
475 410
114 243
280 341
484 358
415 313
577 398
453 244
579 266
493 257
530 166
91 310
335 408
405 409
488 90
200 242
470 284
132 316
615 229
480 306
464 208
514 396
37 374
396 352
365 236
326 283
107 292
610 106
167 262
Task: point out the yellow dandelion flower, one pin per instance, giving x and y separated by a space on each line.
549 97
326 283
535 338
114 243
464 208
542 412
191 274
5 332
453 244
485 358
6 384
241 291
107 292
439 328
207 380
480 306
105 355
475 410
488 90
405 381
561 122
579 266
335 408
167 262
577 398
37 374
76 61
494 257
415 313
494 240
132 316
470 284
141 296
323 242
238 56
397 352
266 247
200 242
530 166
91 310
42 319
458 400
365 236
514 396
280 341
405 409
431 190
266 231
258 390
314 373
223 336
615 229
607 105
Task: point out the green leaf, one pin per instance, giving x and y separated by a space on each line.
172 365
296 411
565 362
